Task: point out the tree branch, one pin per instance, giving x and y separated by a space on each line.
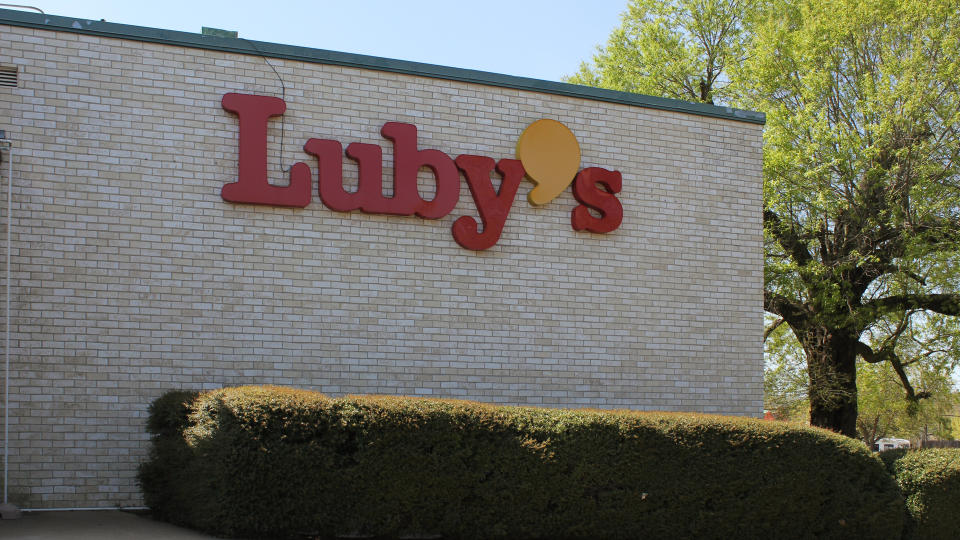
912 395
787 237
773 327
887 354
946 304
869 355
793 312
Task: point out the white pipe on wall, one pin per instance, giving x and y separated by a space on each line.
6 371
86 509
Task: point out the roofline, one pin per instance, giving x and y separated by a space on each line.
320 56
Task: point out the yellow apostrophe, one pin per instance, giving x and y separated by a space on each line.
550 154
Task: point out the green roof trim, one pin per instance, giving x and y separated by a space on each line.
319 56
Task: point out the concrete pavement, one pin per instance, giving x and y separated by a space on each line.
92 525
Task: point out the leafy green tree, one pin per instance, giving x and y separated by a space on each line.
884 406
883 412
785 374
878 416
862 206
681 49
861 156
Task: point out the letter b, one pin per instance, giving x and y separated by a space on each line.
407 161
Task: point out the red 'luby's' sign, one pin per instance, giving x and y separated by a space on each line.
594 188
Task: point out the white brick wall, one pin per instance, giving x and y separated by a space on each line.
132 276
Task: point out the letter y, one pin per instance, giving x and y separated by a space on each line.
494 206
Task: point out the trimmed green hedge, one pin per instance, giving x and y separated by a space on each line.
930 482
274 462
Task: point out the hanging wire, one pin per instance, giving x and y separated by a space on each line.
23 7
283 95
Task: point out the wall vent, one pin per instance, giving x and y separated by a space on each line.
8 76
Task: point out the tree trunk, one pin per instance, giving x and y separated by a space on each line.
832 366
868 429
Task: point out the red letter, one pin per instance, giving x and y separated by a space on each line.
586 191
251 186
493 206
369 158
407 161
369 195
330 171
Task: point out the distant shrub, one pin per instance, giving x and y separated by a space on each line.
930 482
274 462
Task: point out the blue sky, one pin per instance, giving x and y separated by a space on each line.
542 39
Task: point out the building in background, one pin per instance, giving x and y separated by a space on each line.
187 215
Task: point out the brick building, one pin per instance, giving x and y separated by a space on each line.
134 273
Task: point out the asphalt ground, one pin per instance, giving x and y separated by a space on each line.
92 525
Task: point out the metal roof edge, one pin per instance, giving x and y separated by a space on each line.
321 56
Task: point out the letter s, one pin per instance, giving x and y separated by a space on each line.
587 190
